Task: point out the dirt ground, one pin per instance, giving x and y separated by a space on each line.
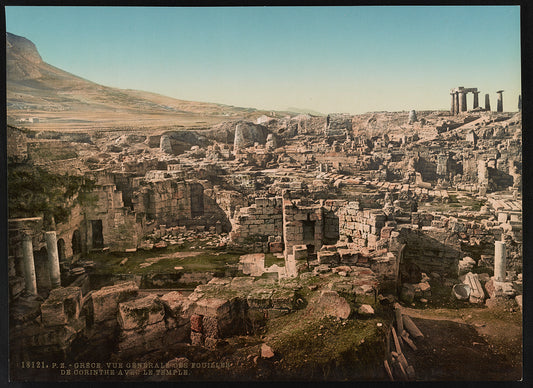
474 344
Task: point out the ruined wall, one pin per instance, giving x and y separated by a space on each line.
331 210
71 247
434 250
141 167
338 124
230 201
491 178
362 227
50 150
109 223
303 224
257 222
310 125
427 168
174 202
16 143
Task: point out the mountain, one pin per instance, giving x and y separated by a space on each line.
60 99
305 111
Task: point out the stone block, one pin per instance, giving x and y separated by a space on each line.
348 256
333 304
275 247
328 257
62 306
407 293
197 339
283 299
365 310
213 307
196 323
176 305
266 351
211 343
244 283
210 327
139 313
386 232
260 298
149 338
105 301
299 252
52 314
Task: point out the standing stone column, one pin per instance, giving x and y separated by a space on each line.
452 109
499 261
462 101
487 102
499 106
412 117
476 100
53 259
456 103
30 279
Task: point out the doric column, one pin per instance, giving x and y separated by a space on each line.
499 261
53 259
456 97
476 100
462 101
499 107
487 102
452 108
30 279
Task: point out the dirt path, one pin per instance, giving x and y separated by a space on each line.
471 344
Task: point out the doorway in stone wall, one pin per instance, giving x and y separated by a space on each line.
308 230
197 201
98 237
61 249
76 242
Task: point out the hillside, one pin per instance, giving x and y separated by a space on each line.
63 100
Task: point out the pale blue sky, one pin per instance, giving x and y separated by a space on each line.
330 59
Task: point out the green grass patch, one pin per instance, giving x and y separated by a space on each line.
206 260
271 259
325 346
46 154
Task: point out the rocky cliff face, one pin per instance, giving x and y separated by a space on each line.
22 58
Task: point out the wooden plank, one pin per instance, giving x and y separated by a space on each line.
388 370
402 370
408 341
413 330
396 341
398 315
411 372
403 361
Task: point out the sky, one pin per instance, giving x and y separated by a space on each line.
325 59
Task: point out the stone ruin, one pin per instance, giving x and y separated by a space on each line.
364 204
